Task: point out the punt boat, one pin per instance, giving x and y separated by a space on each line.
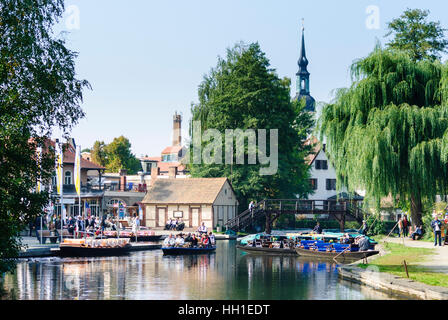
90 247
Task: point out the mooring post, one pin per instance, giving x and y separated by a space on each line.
406 268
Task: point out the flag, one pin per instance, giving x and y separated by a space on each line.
87 208
59 168
77 172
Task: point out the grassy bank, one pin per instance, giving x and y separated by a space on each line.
392 263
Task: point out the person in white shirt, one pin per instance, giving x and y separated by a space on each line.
202 229
169 241
179 241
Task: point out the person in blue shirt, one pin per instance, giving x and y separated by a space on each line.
436 225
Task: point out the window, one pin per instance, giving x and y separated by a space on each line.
313 183
321 165
331 184
68 177
54 180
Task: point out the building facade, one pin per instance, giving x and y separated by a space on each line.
211 201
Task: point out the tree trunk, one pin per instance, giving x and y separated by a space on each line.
416 211
268 227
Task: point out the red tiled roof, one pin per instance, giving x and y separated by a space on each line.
172 149
69 157
316 149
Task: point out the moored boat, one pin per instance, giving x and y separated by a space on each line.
94 247
266 250
187 250
344 256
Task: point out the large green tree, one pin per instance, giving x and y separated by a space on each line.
244 92
116 155
413 32
385 133
38 92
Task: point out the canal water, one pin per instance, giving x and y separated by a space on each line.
227 274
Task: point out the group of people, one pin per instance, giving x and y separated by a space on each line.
177 224
190 240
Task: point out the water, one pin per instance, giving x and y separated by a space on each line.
227 274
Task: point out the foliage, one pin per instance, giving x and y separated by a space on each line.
116 155
375 225
421 38
243 92
386 132
392 263
38 91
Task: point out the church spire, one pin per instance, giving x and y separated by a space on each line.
303 76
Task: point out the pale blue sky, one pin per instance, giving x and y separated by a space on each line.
145 59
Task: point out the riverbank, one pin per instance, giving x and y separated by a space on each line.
427 267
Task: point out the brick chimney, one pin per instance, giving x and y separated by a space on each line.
123 174
155 171
177 122
172 172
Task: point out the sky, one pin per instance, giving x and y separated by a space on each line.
145 59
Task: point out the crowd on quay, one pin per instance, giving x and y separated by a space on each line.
77 225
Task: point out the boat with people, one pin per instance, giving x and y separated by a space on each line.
268 244
141 235
91 247
340 252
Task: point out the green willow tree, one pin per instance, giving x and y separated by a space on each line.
38 92
386 132
116 155
243 92
412 32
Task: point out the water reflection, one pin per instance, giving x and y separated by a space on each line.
227 274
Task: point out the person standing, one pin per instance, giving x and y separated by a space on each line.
436 225
405 226
364 228
400 227
251 208
317 229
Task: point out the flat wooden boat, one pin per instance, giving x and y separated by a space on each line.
344 257
266 250
187 251
94 248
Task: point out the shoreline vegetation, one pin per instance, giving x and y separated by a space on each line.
396 254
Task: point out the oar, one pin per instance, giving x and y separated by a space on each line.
334 258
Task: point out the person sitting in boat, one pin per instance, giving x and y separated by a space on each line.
169 241
194 240
202 229
188 238
212 238
179 242
205 240
345 239
317 229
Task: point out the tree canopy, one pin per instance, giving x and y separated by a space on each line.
116 155
386 133
244 92
413 32
38 92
